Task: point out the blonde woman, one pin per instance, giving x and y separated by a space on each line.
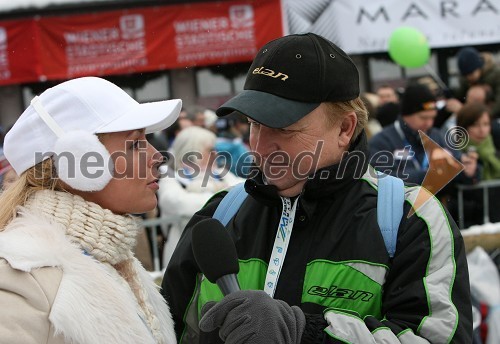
66 239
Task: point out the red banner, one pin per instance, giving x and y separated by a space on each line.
135 40
103 43
18 58
227 32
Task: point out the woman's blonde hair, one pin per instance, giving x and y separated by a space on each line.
42 176
335 111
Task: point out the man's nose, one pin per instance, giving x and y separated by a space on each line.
265 144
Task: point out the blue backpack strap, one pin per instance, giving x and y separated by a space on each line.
230 203
390 203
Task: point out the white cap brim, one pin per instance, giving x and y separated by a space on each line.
154 116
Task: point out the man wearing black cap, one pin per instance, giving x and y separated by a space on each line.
399 148
407 159
479 69
332 280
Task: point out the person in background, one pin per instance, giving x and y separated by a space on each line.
66 237
479 68
196 115
210 120
7 175
475 118
240 127
388 113
2 134
388 107
386 94
481 94
371 101
406 156
4 166
478 94
334 281
183 121
475 94
446 106
231 148
193 178
172 131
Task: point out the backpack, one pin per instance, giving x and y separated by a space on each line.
390 202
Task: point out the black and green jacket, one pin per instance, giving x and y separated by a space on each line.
337 268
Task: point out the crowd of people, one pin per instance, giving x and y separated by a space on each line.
462 121
340 281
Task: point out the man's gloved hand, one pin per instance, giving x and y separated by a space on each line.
252 317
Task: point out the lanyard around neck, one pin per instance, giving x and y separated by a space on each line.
280 246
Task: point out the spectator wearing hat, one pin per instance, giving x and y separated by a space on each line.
313 266
68 270
402 140
479 68
399 148
446 105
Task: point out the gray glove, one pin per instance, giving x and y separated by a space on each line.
252 317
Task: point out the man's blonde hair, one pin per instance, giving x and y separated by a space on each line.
336 110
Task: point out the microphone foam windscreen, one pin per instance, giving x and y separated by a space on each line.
214 249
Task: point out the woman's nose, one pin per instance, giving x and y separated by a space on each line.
156 157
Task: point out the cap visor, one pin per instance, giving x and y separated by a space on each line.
267 109
154 116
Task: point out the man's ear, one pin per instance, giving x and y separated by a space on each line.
347 127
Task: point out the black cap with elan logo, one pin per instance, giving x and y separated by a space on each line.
290 77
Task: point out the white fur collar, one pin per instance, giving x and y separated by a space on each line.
93 304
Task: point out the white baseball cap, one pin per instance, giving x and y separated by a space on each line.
89 104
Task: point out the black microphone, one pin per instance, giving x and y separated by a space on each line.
215 254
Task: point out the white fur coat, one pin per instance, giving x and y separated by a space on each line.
92 302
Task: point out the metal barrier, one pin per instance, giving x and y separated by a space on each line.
484 185
164 223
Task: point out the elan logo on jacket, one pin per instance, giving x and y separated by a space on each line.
341 293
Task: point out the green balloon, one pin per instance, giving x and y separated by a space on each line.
408 47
